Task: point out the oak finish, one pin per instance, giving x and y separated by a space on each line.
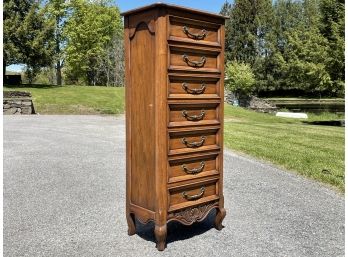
174 116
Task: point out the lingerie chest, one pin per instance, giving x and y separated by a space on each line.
174 116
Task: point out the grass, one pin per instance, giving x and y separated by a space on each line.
313 151
75 99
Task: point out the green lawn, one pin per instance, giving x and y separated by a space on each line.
76 99
314 151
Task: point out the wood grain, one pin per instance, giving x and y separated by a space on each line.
177 173
160 124
142 49
195 27
176 196
176 140
181 114
176 90
176 58
167 166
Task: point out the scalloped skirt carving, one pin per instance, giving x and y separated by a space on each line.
192 214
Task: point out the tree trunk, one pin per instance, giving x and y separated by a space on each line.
59 74
107 76
59 63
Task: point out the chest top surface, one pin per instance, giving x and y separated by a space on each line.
176 9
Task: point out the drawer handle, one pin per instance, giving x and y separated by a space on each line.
196 64
193 197
193 144
194 91
193 117
195 36
193 171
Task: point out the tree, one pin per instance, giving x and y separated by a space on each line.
226 8
89 30
270 70
226 11
14 14
305 51
247 29
57 11
27 35
110 69
332 28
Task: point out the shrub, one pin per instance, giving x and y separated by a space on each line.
240 78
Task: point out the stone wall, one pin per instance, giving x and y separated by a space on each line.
16 102
250 102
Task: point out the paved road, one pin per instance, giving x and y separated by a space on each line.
64 195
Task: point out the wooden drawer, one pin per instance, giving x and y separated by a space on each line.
194 31
181 115
191 141
180 87
193 167
194 59
191 194
174 69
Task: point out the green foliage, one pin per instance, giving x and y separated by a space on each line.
305 54
332 28
57 11
46 76
14 14
226 8
290 44
240 78
247 29
90 29
27 35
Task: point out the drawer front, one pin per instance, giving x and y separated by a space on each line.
192 194
194 167
193 87
193 114
193 59
193 141
194 31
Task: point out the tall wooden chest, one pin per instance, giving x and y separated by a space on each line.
174 116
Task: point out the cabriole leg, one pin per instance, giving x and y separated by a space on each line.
161 236
220 215
131 224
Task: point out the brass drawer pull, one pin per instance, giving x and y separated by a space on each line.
195 170
193 117
196 64
195 36
193 91
193 197
193 144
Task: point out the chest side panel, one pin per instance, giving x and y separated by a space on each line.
141 92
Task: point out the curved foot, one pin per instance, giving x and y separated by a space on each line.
220 215
161 236
131 224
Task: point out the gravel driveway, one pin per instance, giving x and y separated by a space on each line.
64 195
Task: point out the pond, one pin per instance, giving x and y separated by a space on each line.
309 105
